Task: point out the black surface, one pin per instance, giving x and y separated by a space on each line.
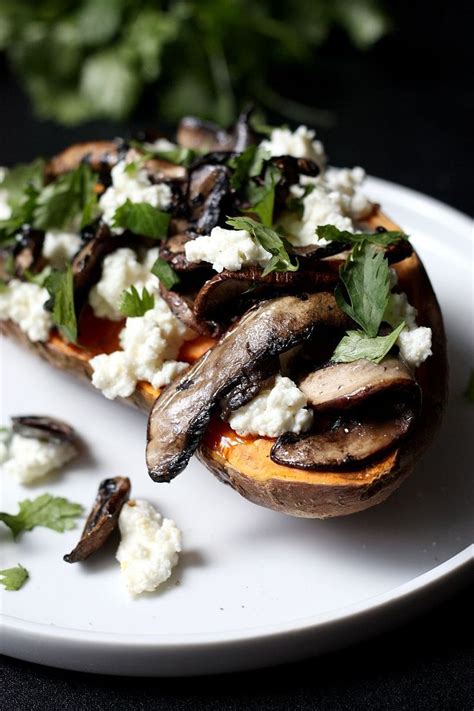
426 665
404 112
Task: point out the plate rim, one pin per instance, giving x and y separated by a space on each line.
17 632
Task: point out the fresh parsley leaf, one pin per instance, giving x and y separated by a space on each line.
356 345
22 214
46 510
269 240
3 286
40 278
383 239
132 304
14 578
142 219
247 165
469 391
178 155
165 273
67 200
366 278
262 197
60 286
21 176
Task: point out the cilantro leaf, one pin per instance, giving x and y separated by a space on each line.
356 345
469 391
384 239
68 199
60 286
20 177
132 304
49 511
269 240
366 278
262 197
165 273
142 219
247 165
40 278
14 578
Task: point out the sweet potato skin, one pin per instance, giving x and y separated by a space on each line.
318 494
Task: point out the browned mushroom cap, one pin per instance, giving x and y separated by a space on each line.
203 136
103 519
44 428
182 307
172 251
208 196
180 416
28 251
339 386
349 443
158 168
215 296
87 264
98 154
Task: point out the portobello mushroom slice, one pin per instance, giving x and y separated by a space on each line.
180 416
48 429
348 444
339 386
182 307
205 137
28 250
103 519
213 300
208 196
99 155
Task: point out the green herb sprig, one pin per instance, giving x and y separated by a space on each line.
54 512
133 305
165 273
60 286
270 240
142 219
14 578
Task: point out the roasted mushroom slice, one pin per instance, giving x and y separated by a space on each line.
98 154
349 443
208 196
103 519
182 307
204 136
180 416
373 407
339 386
247 285
28 250
43 427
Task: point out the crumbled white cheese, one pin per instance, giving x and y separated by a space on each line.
60 247
415 345
149 546
30 459
133 185
299 144
23 303
3 451
5 209
414 341
113 375
277 409
120 270
334 198
150 346
226 249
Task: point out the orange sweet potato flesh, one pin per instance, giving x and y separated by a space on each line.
244 462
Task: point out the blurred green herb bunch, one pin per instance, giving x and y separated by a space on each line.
85 59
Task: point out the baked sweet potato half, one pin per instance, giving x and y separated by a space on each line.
253 322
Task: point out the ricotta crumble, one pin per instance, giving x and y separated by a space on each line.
60 247
149 547
277 409
226 249
134 185
23 303
299 144
29 459
414 341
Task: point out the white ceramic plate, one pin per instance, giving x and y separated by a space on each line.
253 587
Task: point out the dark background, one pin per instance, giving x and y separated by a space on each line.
404 112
